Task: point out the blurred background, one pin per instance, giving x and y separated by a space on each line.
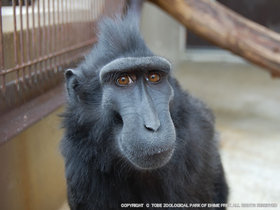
39 39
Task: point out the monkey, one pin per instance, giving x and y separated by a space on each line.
131 134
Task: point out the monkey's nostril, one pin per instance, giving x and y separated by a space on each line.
118 118
149 128
152 128
152 124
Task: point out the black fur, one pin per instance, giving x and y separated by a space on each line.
98 178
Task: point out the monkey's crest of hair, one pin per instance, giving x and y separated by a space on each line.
117 37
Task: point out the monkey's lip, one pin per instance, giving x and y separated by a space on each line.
159 152
152 160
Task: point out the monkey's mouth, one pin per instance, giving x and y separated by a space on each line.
151 160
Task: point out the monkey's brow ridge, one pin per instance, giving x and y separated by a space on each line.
135 63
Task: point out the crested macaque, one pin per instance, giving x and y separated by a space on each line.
132 135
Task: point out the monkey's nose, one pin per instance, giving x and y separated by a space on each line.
152 125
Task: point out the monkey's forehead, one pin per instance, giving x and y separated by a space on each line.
136 63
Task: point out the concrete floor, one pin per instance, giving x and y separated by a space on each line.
246 102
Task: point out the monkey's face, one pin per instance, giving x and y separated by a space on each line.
140 98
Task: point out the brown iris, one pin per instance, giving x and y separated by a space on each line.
124 80
154 77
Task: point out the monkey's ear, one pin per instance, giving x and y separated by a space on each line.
72 82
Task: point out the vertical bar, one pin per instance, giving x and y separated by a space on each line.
97 7
40 66
72 11
91 13
88 18
72 19
33 39
43 43
49 34
27 38
67 27
58 35
95 12
3 87
94 9
21 43
74 25
54 36
89 10
62 31
77 25
15 42
82 23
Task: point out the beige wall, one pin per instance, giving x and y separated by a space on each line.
163 34
32 169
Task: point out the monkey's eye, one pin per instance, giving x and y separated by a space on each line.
153 77
124 80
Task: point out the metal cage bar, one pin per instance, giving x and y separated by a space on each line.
3 86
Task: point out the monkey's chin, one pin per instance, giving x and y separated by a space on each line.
151 161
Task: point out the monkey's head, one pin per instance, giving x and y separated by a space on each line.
134 92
